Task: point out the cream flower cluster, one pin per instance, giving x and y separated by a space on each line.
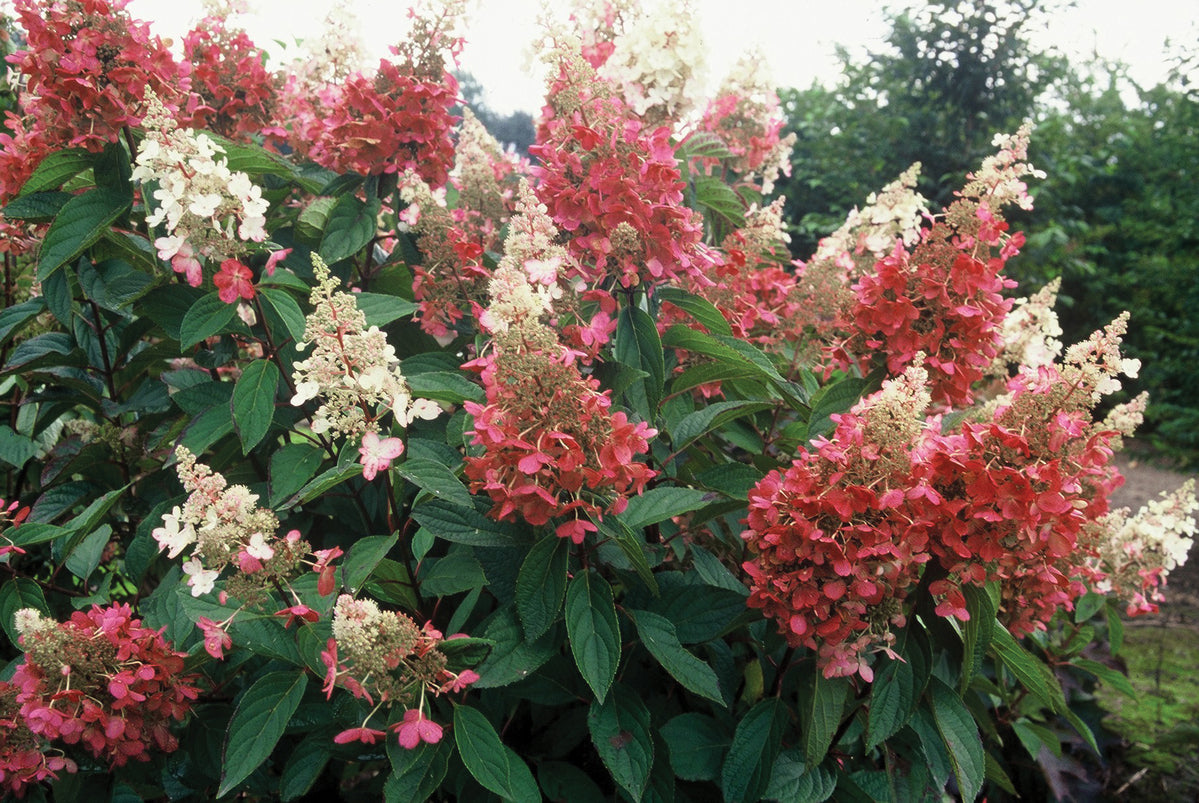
659 62
999 181
1031 332
895 212
206 208
352 367
215 526
1095 363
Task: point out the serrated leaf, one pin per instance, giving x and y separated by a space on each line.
822 701
292 466
280 304
444 386
16 449
659 637
620 731
976 633
81 221
458 571
512 658
794 781
381 309
17 593
207 317
638 345
695 425
960 737
662 503
364 556
1031 672
541 585
633 547
492 763
714 195
702 310
38 207
1112 677
593 630
562 781
466 525
13 318
436 479
892 699
750 761
415 774
56 169
253 402
257 723
697 745
305 764
349 228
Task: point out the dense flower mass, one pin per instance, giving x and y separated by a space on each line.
611 184
101 680
229 76
385 659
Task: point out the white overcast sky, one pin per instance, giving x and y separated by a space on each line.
797 36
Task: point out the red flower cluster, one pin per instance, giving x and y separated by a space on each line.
393 121
552 447
614 186
841 535
102 680
22 761
941 300
236 92
88 65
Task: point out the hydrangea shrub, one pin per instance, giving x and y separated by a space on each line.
350 455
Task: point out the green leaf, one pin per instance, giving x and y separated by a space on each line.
207 317
750 762
391 582
659 637
697 745
794 781
258 721
444 386
1112 677
976 633
512 658
541 585
633 548
662 503
492 763
1031 672
698 613
892 699
14 318
55 170
253 402
381 309
821 703
593 630
835 398
322 483
349 228
1087 606
458 571
466 525
38 207
364 556
16 449
695 425
620 731
717 197
702 310
1115 626
305 764
292 466
562 781
638 346
81 221
960 736
17 593
280 304
415 774
437 479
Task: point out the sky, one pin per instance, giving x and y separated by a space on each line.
798 37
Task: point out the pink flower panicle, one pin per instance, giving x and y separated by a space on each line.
103 681
385 659
236 92
24 759
612 185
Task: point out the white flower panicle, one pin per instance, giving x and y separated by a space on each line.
896 212
895 414
1031 332
999 181
658 61
352 367
1137 552
1095 363
215 526
205 207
